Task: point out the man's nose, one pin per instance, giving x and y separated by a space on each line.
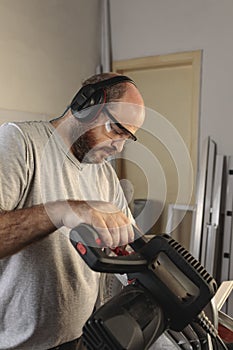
118 144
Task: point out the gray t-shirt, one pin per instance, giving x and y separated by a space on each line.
47 292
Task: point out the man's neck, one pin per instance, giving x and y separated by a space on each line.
63 126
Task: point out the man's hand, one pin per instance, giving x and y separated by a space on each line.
113 225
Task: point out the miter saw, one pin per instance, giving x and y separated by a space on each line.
167 291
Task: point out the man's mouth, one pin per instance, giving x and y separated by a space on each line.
106 150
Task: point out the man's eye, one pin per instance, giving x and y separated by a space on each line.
117 132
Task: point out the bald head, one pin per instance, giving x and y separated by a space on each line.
129 109
119 95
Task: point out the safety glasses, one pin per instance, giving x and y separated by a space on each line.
127 134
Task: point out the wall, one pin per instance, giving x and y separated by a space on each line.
47 47
154 27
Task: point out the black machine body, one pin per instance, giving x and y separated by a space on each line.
168 288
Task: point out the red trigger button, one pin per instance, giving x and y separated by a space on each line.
81 248
98 241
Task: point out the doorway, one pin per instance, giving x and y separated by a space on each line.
170 86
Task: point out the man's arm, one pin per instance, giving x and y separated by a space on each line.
22 227
19 228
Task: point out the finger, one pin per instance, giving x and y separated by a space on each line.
99 223
115 234
131 233
113 223
105 236
120 229
121 232
124 236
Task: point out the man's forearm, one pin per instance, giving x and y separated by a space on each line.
22 227
19 228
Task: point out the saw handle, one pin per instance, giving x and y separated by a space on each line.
85 240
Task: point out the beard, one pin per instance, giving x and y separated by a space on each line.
83 145
86 151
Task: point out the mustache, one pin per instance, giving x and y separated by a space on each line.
106 149
85 145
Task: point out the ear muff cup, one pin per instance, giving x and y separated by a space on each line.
90 99
90 107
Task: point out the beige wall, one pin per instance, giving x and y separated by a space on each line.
158 27
47 47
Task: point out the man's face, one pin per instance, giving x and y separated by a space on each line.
115 125
99 143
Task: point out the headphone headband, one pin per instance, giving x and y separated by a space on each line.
94 94
111 81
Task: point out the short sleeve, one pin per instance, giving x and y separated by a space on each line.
13 166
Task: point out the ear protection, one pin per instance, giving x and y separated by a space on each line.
93 95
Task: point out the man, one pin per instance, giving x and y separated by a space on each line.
54 176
